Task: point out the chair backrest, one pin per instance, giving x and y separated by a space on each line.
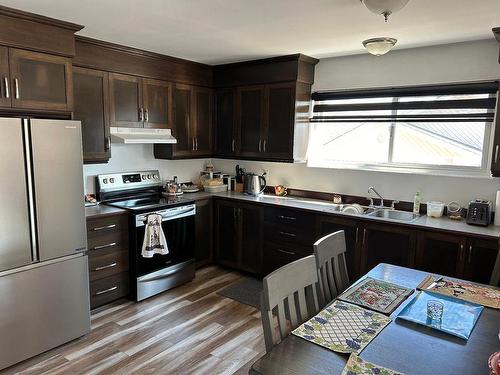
331 264
291 292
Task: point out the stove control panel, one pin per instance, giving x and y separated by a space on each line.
129 180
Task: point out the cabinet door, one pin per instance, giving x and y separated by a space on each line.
225 130
40 81
480 259
250 120
440 253
203 222
226 233
279 124
202 127
92 109
157 102
125 94
250 241
328 225
5 91
183 101
387 244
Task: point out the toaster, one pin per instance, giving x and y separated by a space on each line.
479 212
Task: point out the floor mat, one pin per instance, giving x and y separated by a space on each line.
246 291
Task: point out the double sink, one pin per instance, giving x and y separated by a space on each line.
382 213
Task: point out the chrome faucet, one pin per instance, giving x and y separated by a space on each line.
371 189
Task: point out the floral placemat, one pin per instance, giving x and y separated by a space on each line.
356 366
482 295
343 327
377 295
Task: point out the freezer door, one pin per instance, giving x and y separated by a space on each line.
43 306
56 148
15 242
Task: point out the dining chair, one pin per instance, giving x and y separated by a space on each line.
289 292
331 266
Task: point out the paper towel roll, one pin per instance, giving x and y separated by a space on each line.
497 210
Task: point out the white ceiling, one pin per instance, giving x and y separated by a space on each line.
219 31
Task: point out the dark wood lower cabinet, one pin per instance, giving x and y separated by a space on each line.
204 232
441 253
480 257
329 224
382 243
238 236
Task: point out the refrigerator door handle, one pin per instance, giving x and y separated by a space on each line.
31 193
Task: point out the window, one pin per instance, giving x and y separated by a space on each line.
440 129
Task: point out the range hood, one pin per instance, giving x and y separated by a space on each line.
141 135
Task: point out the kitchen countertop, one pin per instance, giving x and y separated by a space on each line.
325 207
101 210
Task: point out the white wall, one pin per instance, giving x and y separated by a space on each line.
469 61
139 157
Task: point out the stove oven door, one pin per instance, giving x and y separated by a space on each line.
179 233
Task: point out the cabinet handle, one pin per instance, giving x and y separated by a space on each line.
192 147
105 267
291 218
364 237
110 226
16 88
264 145
496 154
286 252
146 113
357 232
260 144
196 140
288 234
107 145
106 290
461 255
104 246
141 114
470 255
232 145
7 91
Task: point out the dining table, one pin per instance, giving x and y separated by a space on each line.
403 346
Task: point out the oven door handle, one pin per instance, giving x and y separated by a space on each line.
172 216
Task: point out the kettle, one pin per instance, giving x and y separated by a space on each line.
254 184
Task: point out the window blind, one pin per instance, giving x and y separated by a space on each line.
443 103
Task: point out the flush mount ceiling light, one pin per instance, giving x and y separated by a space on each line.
379 46
384 7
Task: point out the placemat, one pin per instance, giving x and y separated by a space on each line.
357 366
343 327
377 295
463 290
459 317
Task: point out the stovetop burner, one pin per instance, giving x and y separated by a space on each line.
155 202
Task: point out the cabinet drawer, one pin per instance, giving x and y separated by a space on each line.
287 217
108 289
106 263
105 233
289 234
276 256
99 226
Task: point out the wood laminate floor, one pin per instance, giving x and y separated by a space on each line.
188 330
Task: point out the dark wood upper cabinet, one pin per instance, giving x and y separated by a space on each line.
5 88
441 253
92 109
202 124
40 81
225 116
125 94
157 103
250 109
183 101
279 121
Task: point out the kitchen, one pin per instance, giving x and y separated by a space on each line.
267 113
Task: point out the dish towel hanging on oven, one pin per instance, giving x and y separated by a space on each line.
154 239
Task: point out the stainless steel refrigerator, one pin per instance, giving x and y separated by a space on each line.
44 292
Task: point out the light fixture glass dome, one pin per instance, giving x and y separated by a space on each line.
379 46
384 7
